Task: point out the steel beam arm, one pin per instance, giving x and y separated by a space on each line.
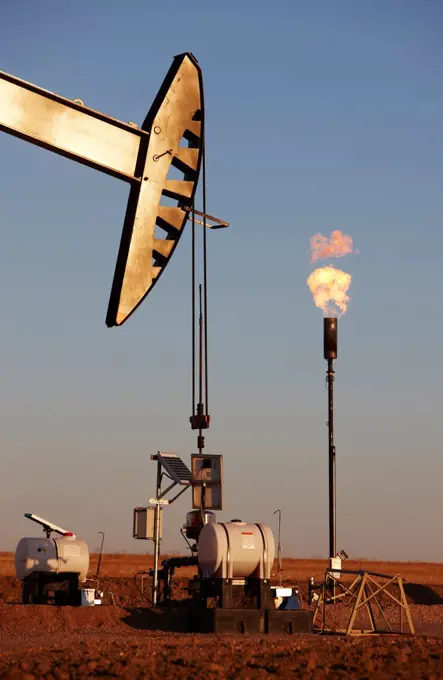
69 128
172 134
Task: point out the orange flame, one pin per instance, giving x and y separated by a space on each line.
338 245
329 287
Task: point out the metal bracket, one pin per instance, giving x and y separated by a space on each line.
218 224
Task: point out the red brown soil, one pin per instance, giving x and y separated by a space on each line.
113 641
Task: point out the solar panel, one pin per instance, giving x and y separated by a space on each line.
175 467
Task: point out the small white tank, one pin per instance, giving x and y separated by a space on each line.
67 555
236 550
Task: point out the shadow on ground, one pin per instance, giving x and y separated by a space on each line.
420 594
171 619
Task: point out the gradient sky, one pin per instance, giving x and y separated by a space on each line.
320 116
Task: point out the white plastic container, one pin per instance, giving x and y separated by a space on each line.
88 597
236 550
279 594
67 555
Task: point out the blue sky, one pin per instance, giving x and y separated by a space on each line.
320 116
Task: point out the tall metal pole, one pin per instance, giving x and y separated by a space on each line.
156 537
330 353
279 558
331 456
100 556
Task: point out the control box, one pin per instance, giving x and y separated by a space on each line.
144 523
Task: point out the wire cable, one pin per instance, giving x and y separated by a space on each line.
205 277
193 309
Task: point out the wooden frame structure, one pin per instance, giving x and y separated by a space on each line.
364 593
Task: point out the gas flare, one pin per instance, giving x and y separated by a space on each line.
329 287
338 245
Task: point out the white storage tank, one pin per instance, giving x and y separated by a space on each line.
236 550
64 555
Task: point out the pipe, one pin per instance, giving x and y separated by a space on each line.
330 353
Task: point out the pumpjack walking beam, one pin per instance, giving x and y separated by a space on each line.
140 156
172 134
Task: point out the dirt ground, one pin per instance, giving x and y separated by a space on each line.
122 639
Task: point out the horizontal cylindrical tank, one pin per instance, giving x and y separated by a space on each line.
236 550
51 555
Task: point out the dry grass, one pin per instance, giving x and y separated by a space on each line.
125 566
